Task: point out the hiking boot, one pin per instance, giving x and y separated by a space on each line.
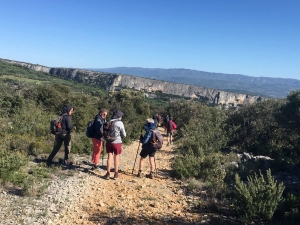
116 176
49 164
107 176
150 175
139 174
94 167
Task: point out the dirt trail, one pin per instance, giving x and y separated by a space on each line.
133 200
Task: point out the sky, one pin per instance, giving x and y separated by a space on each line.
258 38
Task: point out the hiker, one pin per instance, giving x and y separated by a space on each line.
97 138
170 127
114 148
159 119
64 137
155 120
147 148
166 120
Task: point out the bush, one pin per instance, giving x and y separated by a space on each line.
259 197
289 211
187 165
10 165
81 144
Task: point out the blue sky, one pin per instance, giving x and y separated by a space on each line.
249 37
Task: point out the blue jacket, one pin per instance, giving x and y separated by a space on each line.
98 125
146 138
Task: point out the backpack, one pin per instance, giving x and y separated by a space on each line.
166 120
90 130
55 125
157 140
147 137
170 126
109 132
174 125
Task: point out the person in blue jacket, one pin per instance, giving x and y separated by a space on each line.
147 149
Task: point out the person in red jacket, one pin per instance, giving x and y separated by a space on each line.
98 139
170 128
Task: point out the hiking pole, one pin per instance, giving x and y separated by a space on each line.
136 157
137 152
102 153
155 166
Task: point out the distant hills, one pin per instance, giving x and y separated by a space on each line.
263 86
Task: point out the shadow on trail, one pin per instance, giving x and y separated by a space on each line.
119 217
163 152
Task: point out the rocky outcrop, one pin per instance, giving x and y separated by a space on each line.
115 82
214 96
28 65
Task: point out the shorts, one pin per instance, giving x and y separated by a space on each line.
144 153
114 148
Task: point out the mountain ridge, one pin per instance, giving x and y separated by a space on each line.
115 82
264 86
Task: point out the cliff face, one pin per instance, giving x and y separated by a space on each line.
206 94
28 65
114 82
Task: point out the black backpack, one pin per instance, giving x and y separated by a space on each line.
90 130
109 132
170 126
55 125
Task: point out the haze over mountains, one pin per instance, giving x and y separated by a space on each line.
263 86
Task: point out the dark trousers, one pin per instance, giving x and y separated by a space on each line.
59 140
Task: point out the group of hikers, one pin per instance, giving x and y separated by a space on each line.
150 140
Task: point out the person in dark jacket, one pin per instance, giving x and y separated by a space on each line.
147 148
155 120
64 137
97 138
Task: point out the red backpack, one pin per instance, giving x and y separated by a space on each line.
174 125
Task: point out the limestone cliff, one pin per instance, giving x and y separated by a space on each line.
114 82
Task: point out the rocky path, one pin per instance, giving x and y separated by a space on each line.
87 198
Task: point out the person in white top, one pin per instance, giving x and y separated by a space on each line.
114 148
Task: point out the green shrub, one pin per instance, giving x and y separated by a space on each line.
187 165
258 197
289 210
81 144
10 165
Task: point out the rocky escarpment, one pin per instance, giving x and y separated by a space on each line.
115 82
206 94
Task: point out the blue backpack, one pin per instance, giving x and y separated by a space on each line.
147 136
